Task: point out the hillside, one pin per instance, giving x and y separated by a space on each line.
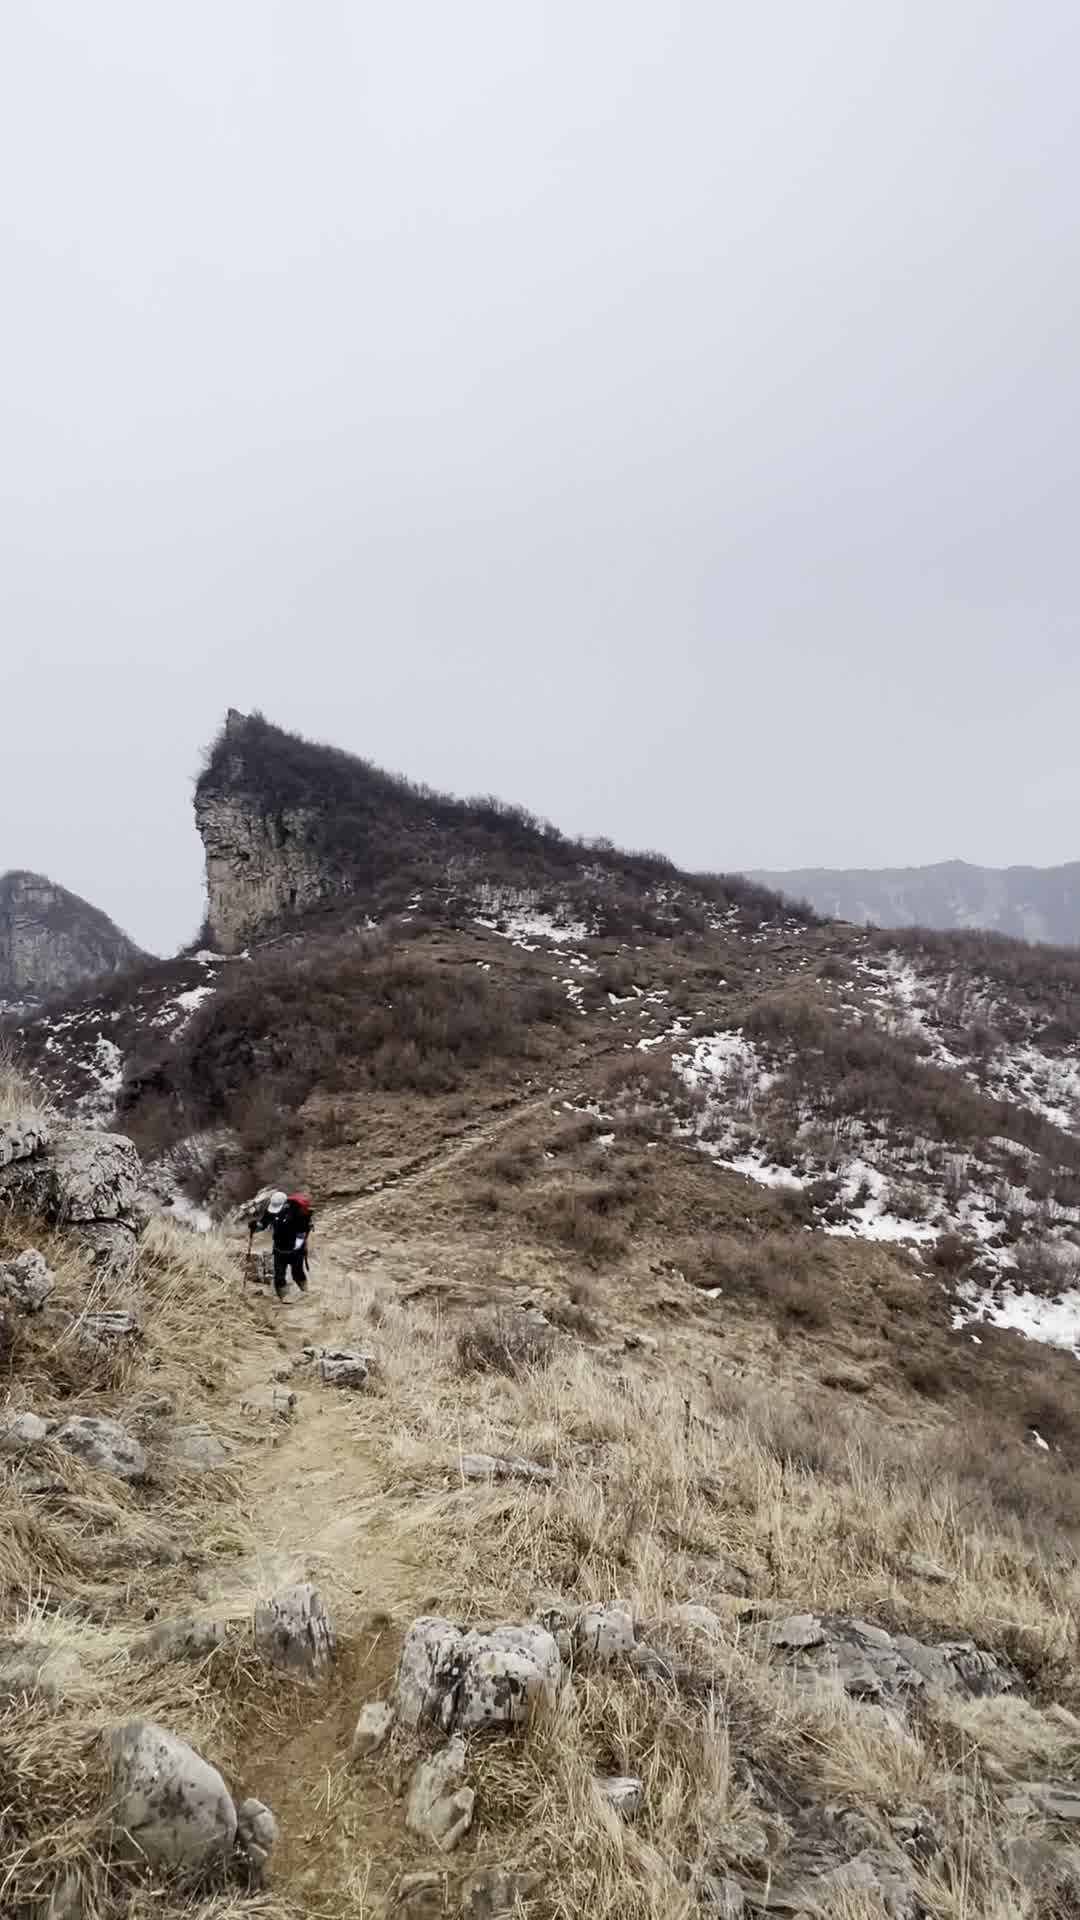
680 1433
1028 903
50 940
291 829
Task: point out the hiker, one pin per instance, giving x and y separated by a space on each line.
290 1216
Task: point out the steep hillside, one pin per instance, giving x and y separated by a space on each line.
1030 903
50 940
291 828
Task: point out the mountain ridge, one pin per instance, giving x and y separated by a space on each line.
1025 902
52 940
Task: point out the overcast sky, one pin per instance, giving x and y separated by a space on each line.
662 412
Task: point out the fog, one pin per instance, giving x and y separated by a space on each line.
666 416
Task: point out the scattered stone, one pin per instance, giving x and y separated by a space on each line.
917 1565
180 1640
33 1484
110 1243
491 1466
341 1366
604 1634
98 1329
701 1619
372 1729
440 1807
882 1879
454 1679
257 1834
873 1665
23 1431
292 1629
635 1342
103 1443
421 1896
495 1891
624 1792
26 1282
1057 1802
279 1403
194 1447
170 1803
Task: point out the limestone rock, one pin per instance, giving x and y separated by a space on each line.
491 1466
24 1134
257 1834
194 1447
341 1366
169 1803
50 940
920 1568
477 1679
103 1443
421 1896
86 1176
604 1634
624 1793
26 1282
293 1630
439 1806
21 1431
102 1329
186 1639
1056 1801
495 1891
872 1665
870 1873
372 1729
273 1403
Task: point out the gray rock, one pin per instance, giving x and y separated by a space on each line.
624 1792
292 1629
37 1484
101 1329
26 1282
257 1834
884 1880
194 1447
91 1176
492 1466
110 1243
700 1619
186 1639
341 1366
872 1665
920 1568
170 1804
274 1403
103 1443
453 1679
603 1634
372 1729
1058 1802
495 1891
635 1342
439 1806
23 1135
20 1432
421 1896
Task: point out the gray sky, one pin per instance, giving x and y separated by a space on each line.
666 414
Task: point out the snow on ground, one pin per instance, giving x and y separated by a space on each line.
527 927
1047 1085
193 998
106 1067
1055 1322
870 1217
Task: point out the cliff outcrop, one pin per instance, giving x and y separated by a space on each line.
50 940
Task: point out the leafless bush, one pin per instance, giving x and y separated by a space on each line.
502 1342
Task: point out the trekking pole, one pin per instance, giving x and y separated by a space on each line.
247 1262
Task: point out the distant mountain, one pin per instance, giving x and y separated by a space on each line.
50 940
293 829
1030 903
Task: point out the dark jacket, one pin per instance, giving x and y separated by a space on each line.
287 1225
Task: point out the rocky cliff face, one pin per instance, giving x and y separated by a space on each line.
1028 903
50 940
263 858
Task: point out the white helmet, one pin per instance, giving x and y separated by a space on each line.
276 1201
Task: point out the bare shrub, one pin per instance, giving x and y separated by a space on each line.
502 1342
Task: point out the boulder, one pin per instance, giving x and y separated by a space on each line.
26 1282
292 1629
492 1466
169 1804
22 1135
110 1243
453 1679
341 1366
920 1568
603 1634
21 1431
257 1834
185 1639
623 1792
372 1729
194 1447
439 1805
103 1443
